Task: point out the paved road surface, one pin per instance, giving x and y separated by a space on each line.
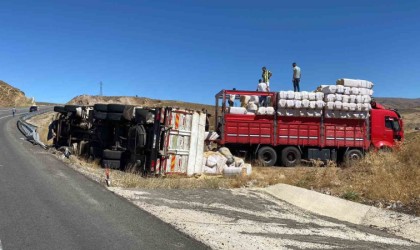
46 205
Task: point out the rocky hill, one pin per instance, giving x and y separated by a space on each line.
140 101
10 96
399 103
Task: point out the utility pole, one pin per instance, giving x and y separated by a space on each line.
100 88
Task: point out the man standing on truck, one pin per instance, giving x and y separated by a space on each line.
296 77
263 87
266 75
13 111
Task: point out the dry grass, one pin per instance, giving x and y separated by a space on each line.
42 122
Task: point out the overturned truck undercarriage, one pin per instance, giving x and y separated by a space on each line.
148 140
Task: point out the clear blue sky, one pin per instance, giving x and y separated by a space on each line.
189 50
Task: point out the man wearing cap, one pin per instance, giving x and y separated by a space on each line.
296 77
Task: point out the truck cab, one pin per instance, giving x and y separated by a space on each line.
387 127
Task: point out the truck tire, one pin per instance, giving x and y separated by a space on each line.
60 109
136 138
99 115
112 154
116 108
267 155
143 115
114 116
112 164
101 107
352 156
290 156
71 108
96 152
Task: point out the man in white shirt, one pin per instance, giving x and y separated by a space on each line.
263 87
296 77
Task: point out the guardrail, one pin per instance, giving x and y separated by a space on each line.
29 130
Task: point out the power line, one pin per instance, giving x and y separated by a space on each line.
100 88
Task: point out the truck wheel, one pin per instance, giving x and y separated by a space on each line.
71 108
290 156
267 155
100 107
114 116
116 108
60 109
352 155
112 154
99 115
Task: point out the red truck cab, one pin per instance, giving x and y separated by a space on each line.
386 127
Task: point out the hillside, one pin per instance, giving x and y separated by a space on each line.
10 96
399 103
141 101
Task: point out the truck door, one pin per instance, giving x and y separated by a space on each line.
388 131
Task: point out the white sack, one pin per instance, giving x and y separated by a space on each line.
330 105
290 103
304 95
338 97
346 98
298 96
338 105
352 99
312 96
328 89
319 96
330 98
261 111
355 83
312 104
298 104
352 106
366 99
359 99
290 95
366 107
355 91
310 113
252 107
282 103
237 110
212 160
346 106
269 110
209 170
347 91
305 103
340 89
319 104
283 94
358 106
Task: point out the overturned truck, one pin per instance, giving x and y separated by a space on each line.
150 140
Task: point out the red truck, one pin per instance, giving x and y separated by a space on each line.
286 140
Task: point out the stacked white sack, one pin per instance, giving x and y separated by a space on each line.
306 104
223 161
348 99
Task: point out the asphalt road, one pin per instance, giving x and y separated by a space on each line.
46 205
